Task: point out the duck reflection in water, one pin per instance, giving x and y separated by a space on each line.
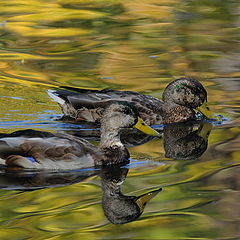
181 141
117 207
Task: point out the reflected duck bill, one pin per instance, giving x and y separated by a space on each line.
204 131
204 109
145 198
143 127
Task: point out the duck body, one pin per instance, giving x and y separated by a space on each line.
88 105
43 150
180 97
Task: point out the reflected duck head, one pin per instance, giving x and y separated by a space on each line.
117 207
181 142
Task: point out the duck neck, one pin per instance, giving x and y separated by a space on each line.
110 138
113 150
112 177
173 112
111 190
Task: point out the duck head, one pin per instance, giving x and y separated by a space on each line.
119 115
183 95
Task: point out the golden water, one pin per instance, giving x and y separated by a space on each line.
127 45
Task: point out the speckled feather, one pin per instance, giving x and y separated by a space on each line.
179 99
42 150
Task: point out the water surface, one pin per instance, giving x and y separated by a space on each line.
124 45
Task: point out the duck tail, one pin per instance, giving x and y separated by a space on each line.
54 95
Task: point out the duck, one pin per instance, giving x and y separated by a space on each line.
179 99
57 151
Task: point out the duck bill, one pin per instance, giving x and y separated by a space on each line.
145 198
142 126
204 109
204 131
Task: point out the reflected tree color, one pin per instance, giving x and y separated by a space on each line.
124 45
117 207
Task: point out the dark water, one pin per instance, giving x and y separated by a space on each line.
128 45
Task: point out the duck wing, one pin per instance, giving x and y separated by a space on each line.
86 104
42 150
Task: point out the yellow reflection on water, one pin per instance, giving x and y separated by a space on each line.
124 44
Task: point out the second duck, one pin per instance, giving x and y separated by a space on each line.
180 98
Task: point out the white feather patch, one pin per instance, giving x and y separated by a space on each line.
54 96
2 161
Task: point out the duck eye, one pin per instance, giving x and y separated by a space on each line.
185 85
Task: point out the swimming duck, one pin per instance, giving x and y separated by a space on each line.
180 97
43 150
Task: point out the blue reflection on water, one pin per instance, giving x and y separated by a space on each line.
16 98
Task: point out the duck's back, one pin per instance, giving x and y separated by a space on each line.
88 105
43 150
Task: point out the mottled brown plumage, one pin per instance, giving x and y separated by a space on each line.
42 150
180 97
